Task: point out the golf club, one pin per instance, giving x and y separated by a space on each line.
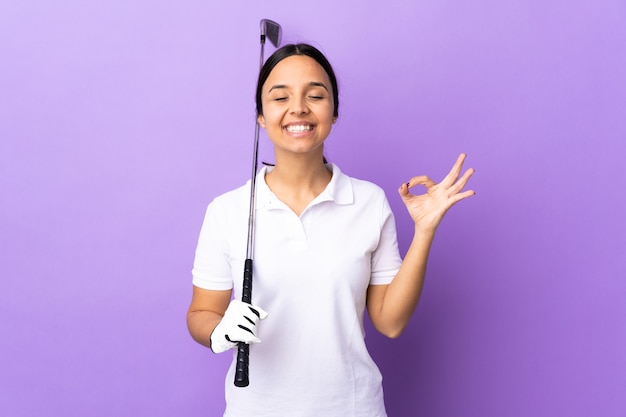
272 31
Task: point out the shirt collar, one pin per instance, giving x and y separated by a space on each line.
339 190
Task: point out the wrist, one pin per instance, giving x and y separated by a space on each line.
425 231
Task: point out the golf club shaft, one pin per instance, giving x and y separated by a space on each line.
243 349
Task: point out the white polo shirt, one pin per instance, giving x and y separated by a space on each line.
311 274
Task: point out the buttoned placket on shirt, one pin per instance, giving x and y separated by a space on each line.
296 226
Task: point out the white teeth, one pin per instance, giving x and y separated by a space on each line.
299 128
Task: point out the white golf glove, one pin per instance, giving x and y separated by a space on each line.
237 325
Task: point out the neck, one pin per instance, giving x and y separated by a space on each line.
298 180
300 170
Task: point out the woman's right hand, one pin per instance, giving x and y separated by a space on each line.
239 324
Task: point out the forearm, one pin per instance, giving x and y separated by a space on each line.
391 310
205 312
201 324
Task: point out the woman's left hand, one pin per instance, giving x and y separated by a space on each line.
428 209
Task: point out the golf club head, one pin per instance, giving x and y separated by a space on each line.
272 31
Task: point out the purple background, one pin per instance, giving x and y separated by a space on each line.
121 120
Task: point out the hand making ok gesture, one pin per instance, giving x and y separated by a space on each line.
428 209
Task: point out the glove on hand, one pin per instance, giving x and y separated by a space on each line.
237 325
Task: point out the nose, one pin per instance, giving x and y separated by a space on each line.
299 106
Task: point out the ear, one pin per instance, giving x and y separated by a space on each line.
261 120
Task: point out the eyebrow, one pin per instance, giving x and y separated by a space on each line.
311 84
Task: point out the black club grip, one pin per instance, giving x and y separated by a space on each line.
243 349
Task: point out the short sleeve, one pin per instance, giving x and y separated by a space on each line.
386 258
211 267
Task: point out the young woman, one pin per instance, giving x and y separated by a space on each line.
325 249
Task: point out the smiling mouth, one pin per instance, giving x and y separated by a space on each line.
299 128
